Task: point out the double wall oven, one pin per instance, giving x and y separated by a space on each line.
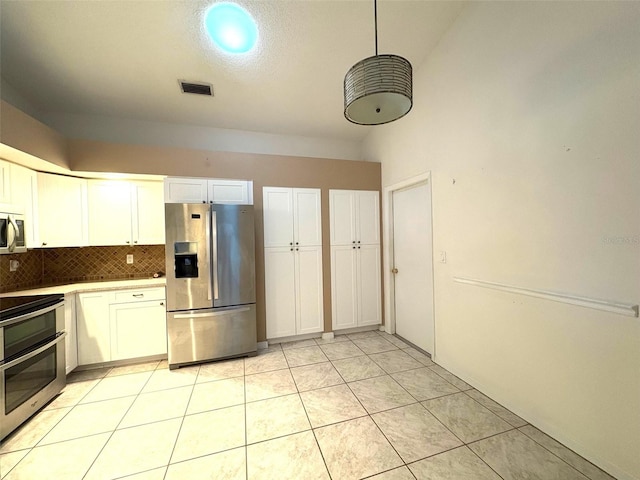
32 356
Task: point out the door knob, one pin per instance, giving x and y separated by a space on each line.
394 270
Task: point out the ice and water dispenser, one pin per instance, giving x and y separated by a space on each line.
186 259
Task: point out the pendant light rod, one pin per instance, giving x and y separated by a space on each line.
375 21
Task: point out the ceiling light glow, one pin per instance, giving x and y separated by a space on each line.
231 27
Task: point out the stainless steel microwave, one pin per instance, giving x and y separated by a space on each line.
12 230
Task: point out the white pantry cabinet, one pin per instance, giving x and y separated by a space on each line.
125 213
121 324
62 211
293 288
355 217
356 298
207 190
355 286
71 341
293 261
24 194
292 217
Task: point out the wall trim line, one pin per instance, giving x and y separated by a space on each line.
627 309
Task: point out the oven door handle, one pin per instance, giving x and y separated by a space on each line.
35 352
29 315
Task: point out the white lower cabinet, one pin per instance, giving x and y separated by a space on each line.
293 288
71 342
355 286
92 320
137 329
121 324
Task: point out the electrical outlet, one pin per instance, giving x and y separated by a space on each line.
13 265
130 258
443 257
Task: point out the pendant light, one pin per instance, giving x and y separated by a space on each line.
378 89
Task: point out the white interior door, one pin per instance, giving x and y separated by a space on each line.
413 259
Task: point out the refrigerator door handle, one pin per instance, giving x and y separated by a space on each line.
208 260
211 314
214 249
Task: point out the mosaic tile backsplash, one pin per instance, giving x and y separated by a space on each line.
56 266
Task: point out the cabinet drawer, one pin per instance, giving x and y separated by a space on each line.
137 294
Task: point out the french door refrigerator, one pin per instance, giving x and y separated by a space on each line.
211 293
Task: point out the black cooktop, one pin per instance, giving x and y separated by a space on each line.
11 307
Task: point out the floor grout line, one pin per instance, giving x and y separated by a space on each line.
299 393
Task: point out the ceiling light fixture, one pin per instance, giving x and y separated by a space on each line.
231 27
378 89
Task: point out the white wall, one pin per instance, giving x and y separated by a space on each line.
534 110
119 130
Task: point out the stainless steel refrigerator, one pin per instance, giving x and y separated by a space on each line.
211 292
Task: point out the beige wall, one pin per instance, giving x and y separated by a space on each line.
24 133
264 170
533 109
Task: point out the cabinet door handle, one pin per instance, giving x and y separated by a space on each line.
290 243
138 295
128 241
358 241
44 243
135 241
353 241
162 304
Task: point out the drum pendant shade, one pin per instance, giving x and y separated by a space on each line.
378 89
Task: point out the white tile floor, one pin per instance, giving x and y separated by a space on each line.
359 406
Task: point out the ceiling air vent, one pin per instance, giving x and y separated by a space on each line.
197 88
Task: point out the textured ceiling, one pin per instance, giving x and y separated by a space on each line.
124 59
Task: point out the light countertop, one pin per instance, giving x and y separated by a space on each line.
71 288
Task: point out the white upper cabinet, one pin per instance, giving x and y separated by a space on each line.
62 211
185 190
278 216
110 208
5 182
211 190
355 217
368 217
24 188
342 211
229 191
125 213
307 220
148 213
292 217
